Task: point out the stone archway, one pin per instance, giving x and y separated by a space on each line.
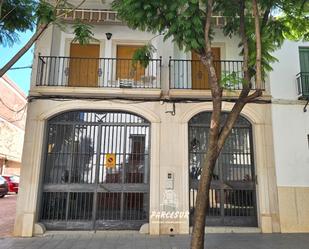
266 187
96 171
232 195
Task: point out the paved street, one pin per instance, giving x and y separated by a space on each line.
134 240
7 215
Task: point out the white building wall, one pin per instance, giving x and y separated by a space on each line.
291 145
289 126
283 76
290 129
169 154
290 122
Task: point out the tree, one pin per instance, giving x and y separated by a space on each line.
15 16
21 15
262 26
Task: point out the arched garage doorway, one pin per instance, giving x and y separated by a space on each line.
96 171
232 197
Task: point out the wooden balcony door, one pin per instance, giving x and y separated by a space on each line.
199 71
125 69
84 65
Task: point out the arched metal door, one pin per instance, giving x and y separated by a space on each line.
96 171
232 197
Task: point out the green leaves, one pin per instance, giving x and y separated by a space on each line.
82 32
184 20
143 55
21 15
181 20
229 81
45 12
16 16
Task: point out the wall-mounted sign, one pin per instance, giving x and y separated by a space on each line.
110 160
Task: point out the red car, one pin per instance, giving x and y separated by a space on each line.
13 183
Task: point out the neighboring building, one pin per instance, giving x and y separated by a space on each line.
291 134
113 146
12 126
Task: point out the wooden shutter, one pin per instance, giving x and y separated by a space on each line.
199 72
84 65
125 69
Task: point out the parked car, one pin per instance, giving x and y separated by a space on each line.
3 187
13 183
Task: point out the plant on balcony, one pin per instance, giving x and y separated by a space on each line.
83 33
143 55
229 81
262 26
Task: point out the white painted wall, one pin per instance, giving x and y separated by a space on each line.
283 76
169 153
57 43
93 4
290 123
290 130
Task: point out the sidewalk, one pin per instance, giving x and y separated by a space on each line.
7 215
134 240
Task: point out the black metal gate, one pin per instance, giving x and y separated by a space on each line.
232 197
96 171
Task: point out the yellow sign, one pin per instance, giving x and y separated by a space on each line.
110 160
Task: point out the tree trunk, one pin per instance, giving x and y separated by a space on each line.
218 137
202 198
23 50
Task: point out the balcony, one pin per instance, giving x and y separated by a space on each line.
115 77
190 77
97 72
303 85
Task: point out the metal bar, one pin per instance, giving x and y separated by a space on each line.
235 183
56 70
70 196
94 208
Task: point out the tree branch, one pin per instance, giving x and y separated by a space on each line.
241 101
211 156
265 18
258 59
71 10
7 14
24 49
32 40
1 3
257 93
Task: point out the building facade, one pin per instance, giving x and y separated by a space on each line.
113 144
12 126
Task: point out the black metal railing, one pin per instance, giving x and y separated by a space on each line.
97 72
303 84
192 74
